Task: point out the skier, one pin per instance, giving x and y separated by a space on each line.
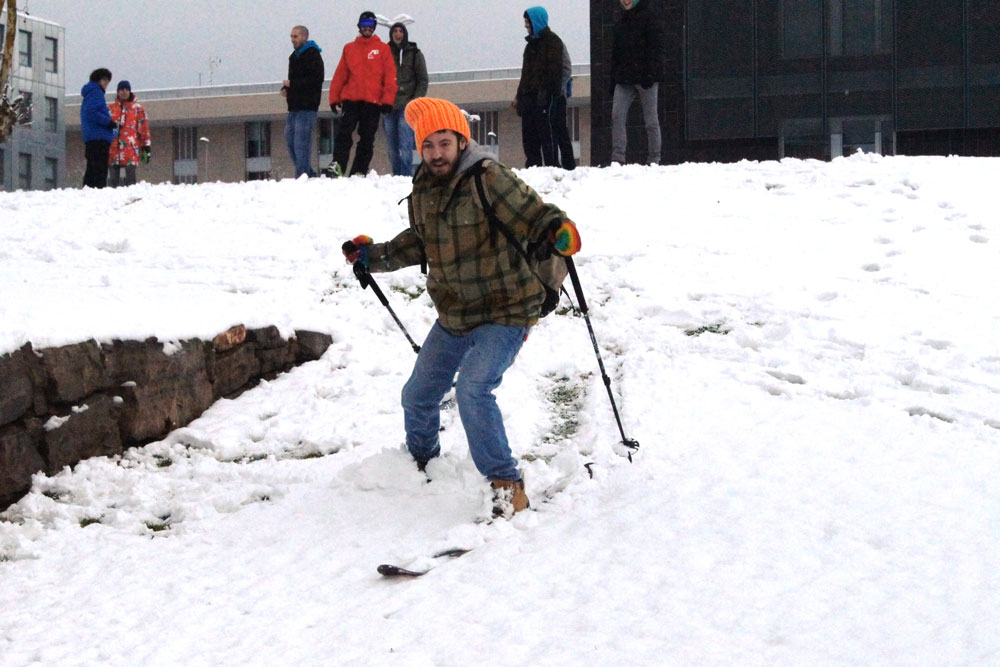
486 296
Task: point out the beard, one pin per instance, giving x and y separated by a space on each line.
442 170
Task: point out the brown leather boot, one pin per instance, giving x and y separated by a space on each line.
509 498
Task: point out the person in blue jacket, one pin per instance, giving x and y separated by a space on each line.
98 128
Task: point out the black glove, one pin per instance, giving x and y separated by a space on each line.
647 84
112 125
337 109
385 108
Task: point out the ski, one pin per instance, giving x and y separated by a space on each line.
392 571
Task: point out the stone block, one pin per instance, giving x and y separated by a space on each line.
146 363
231 371
86 432
150 411
276 360
19 460
230 338
73 372
16 390
311 345
266 338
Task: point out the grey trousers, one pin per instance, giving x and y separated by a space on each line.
114 175
624 96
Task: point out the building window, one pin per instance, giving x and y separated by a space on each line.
802 28
258 175
486 131
258 142
51 169
573 123
51 114
24 52
856 27
188 179
185 143
51 55
326 136
24 171
3 160
29 114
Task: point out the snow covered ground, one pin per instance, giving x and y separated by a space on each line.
807 352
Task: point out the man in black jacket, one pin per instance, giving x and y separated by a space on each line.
302 91
637 65
412 80
539 88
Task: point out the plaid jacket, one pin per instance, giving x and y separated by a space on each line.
473 277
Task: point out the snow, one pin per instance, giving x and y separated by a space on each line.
807 353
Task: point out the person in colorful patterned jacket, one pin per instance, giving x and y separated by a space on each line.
362 89
133 143
487 298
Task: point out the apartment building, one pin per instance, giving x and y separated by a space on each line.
33 158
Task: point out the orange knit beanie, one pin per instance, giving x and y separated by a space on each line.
427 115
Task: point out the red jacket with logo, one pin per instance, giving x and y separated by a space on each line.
365 73
133 133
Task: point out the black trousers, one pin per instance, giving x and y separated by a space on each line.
536 136
365 117
560 133
96 153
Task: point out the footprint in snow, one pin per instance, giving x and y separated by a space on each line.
979 238
871 268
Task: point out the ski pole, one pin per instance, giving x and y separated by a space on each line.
366 280
628 442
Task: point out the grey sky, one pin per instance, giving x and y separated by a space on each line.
166 43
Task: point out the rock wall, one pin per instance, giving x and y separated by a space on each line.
61 405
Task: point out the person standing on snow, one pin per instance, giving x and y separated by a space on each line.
97 128
301 91
540 86
637 65
363 87
133 143
486 296
411 80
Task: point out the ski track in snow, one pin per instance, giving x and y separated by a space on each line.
806 351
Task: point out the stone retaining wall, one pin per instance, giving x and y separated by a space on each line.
61 405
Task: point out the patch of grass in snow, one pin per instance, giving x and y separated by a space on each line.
161 524
717 328
566 397
412 292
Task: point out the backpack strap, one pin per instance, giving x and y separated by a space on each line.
496 225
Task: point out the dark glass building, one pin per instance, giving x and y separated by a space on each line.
766 79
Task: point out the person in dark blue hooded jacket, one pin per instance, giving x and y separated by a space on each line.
97 127
540 87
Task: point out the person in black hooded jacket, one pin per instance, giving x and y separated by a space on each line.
412 80
637 65
541 84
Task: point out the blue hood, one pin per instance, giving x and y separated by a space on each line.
539 19
308 45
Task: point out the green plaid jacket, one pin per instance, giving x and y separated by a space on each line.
473 277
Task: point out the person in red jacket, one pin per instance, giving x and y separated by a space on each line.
363 88
133 142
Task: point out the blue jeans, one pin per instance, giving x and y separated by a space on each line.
480 357
399 140
298 135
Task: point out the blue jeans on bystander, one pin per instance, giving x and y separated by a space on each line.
399 141
298 135
480 357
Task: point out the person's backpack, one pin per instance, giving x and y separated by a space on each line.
548 266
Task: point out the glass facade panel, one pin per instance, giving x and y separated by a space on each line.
185 143
51 55
51 114
24 171
801 31
51 173
258 140
24 48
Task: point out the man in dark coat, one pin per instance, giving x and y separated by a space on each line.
412 80
302 90
97 127
637 65
539 88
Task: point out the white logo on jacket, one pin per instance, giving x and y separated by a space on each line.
372 54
